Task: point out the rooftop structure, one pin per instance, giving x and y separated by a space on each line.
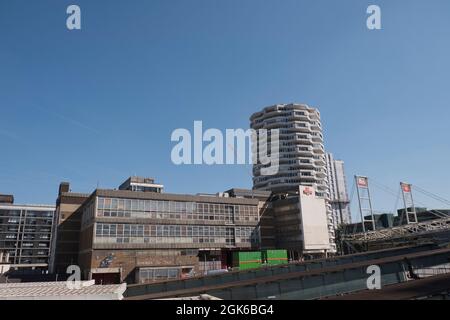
6 198
60 291
141 184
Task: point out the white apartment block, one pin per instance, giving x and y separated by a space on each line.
302 158
340 202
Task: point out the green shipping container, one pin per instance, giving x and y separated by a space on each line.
247 260
275 257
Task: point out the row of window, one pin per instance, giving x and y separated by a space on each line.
26 230
120 233
280 117
171 253
134 230
159 274
32 254
173 206
173 240
9 244
177 215
29 221
28 244
25 237
29 214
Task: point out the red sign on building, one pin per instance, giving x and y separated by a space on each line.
406 187
362 182
308 191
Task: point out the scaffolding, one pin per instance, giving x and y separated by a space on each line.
412 228
401 231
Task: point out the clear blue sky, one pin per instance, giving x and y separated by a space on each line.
97 105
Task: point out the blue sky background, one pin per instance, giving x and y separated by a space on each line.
97 105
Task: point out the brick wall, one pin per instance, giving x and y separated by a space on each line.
129 260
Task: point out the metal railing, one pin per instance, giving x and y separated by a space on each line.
431 271
401 231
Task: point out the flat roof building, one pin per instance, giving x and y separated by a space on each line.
142 236
301 224
67 228
26 234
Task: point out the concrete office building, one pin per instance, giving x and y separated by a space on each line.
67 229
339 199
143 235
300 222
26 234
266 226
302 160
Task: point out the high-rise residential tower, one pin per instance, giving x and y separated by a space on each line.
302 159
340 202
301 154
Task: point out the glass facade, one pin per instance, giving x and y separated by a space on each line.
25 233
189 225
